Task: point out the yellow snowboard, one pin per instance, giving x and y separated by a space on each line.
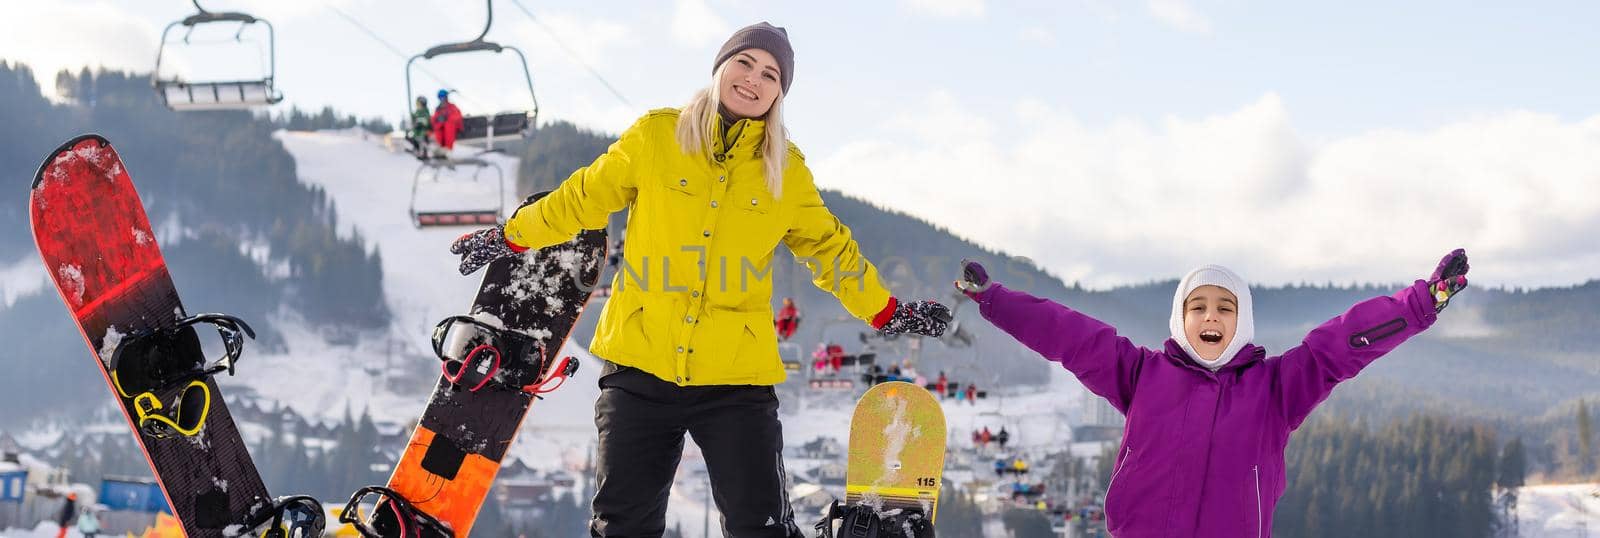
897 437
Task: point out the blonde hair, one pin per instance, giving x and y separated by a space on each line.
697 124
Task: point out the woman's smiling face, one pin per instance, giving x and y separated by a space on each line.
750 83
1210 315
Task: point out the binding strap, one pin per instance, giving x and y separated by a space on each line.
151 360
305 517
557 374
412 522
192 407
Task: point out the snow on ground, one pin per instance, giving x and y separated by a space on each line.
46 529
1559 510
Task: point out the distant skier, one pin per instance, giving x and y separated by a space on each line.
942 385
446 122
788 319
69 508
1210 374
421 129
835 357
89 522
1002 437
972 394
716 183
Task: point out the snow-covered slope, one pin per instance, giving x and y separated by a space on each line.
392 373
1559 511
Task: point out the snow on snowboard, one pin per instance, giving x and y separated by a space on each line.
496 361
97 246
896 463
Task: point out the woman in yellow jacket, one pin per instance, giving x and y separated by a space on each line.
711 191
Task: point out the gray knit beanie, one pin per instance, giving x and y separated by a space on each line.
764 36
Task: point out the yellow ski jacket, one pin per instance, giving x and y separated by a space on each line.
692 302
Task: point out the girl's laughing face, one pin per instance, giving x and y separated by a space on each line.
1210 315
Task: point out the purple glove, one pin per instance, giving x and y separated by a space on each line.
479 248
974 279
1449 278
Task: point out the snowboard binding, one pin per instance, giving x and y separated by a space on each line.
862 521
295 516
473 352
152 360
189 417
412 523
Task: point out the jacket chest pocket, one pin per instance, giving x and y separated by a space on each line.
750 213
693 187
752 200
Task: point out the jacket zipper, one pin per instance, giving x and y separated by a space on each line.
1115 472
1256 470
1371 336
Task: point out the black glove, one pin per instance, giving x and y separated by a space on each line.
974 279
479 248
927 318
1449 278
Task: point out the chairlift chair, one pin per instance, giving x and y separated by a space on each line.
485 129
482 215
180 95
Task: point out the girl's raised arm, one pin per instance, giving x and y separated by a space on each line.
1105 362
1338 349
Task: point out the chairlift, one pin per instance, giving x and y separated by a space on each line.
184 95
484 129
478 215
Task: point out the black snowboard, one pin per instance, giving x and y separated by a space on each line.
453 456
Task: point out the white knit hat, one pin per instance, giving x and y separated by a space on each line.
1219 276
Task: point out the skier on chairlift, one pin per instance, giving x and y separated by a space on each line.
446 122
421 128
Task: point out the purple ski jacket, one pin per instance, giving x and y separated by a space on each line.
1202 451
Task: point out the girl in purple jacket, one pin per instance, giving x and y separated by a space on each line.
1209 414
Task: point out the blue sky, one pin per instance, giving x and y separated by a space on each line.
1113 141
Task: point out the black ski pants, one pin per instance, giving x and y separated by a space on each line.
642 421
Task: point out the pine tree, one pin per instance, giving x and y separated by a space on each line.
1585 440
1511 473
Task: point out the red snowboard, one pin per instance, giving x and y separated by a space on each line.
97 245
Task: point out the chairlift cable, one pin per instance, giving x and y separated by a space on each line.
572 53
386 44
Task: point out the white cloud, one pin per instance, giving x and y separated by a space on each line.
107 37
1132 201
944 8
695 24
1180 15
1036 35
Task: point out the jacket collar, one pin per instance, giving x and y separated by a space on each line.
741 137
1247 355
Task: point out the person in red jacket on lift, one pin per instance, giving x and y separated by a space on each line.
788 319
446 121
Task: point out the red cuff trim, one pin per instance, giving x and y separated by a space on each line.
884 315
515 247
